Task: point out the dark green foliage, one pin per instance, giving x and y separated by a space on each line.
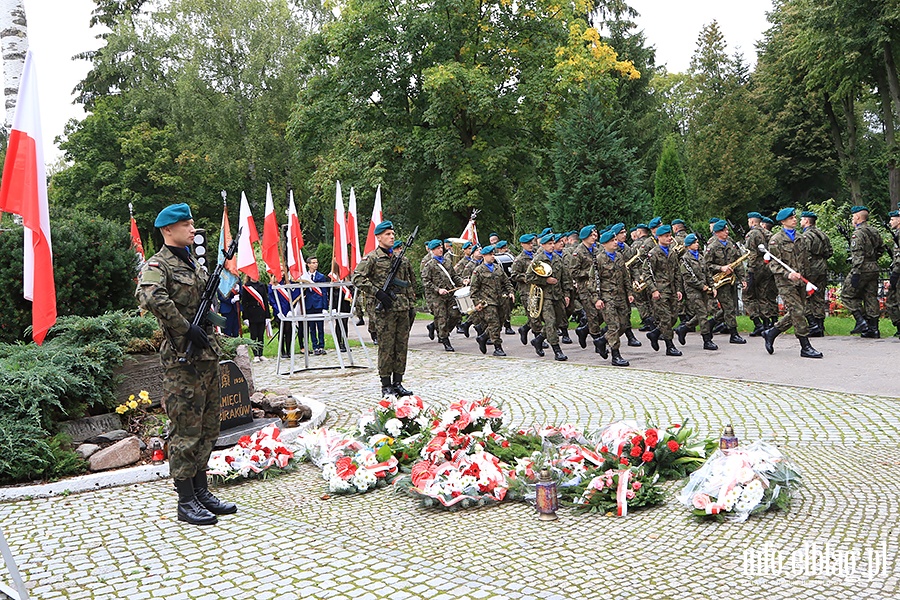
670 197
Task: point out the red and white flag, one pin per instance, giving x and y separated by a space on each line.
246 260
470 233
377 217
136 238
270 253
296 266
24 192
353 231
340 260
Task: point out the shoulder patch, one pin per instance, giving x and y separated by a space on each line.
151 276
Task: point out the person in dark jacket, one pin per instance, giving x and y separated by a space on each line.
255 305
281 300
316 301
230 308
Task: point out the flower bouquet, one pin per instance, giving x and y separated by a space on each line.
466 480
359 473
258 455
734 484
671 453
613 490
395 416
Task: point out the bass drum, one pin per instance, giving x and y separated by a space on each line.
505 261
464 300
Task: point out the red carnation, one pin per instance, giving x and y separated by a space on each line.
636 451
637 440
647 456
504 444
604 449
623 460
673 446
345 468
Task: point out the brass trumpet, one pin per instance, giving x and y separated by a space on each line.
721 279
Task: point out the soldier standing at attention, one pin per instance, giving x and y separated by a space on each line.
719 256
819 250
391 313
171 287
490 289
698 288
893 297
787 245
614 295
554 287
439 281
663 276
860 291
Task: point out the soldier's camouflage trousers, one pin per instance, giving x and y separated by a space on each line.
794 309
446 315
697 304
392 329
665 310
864 297
815 304
616 321
193 405
490 316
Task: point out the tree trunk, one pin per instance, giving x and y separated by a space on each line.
887 111
846 155
14 44
890 68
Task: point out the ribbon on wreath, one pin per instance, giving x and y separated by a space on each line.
621 493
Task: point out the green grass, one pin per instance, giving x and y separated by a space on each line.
271 348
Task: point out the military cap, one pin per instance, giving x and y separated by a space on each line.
527 238
432 244
655 222
713 220
642 226
857 209
784 213
172 214
546 238
809 214
501 244
663 230
558 236
545 232
383 226
894 213
489 249
768 221
397 244
571 233
493 233
719 225
677 222
586 231
467 245
754 215
617 228
633 229
607 237
690 239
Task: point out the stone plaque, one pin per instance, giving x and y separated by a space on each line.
88 427
140 372
236 406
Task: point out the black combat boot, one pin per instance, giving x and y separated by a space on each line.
447 347
861 325
769 336
360 321
189 508
632 341
538 343
482 342
708 344
430 328
681 331
580 317
564 335
719 327
465 327
647 324
735 337
600 346
872 332
206 498
386 388
498 350
671 350
758 327
815 330
806 349
617 360
558 353
654 336
581 333
523 334
479 329
507 329
398 386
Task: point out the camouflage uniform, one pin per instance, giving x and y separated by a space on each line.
892 303
819 250
490 285
761 295
696 275
391 324
582 268
518 270
171 289
866 246
718 255
793 253
642 299
437 275
663 274
615 287
553 312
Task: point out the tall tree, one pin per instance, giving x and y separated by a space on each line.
14 42
670 190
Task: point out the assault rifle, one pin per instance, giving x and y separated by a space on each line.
212 284
846 233
893 232
386 295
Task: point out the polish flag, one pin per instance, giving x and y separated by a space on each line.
246 260
136 239
24 193
470 234
353 231
340 260
377 218
270 238
295 264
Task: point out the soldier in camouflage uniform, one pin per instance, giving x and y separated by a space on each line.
662 273
627 253
490 289
759 277
613 297
171 286
439 279
584 272
397 307
893 298
788 245
719 255
698 287
559 247
557 289
519 268
860 291
819 250
642 245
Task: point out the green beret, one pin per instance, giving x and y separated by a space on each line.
754 215
663 230
558 237
432 244
545 232
617 228
607 237
690 239
501 244
489 249
713 220
894 213
784 213
719 225
677 222
547 238
383 226
642 226
655 222
172 214
768 221
527 238
809 214
857 209
586 231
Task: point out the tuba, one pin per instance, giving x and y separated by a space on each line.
535 303
456 250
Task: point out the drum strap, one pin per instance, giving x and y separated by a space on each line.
446 273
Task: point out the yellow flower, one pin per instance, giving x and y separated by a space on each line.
146 400
145 395
131 397
132 404
121 409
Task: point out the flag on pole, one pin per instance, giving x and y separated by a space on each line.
270 238
24 193
340 260
229 273
377 217
470 233
353 231
246 259
136 238
295 264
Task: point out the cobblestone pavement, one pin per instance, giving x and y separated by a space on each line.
289 542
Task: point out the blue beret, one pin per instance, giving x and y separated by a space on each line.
545 232
527 238
558 237
571 233
617 228
383 226
586 231
467 245
489 249
784 213
894 213
655 222
501 244
857 209
494 234
809 214
663 230
713 220
720 225
607 237
641 226
397 244
432 244
768 220
677 222
633 229
754 215
447 241
172 214
690 239
546 239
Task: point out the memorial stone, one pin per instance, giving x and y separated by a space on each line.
236 406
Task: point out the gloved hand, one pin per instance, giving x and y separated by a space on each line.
895 278
386 301
235 299
198 337
854 280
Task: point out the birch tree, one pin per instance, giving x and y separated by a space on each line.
14 44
